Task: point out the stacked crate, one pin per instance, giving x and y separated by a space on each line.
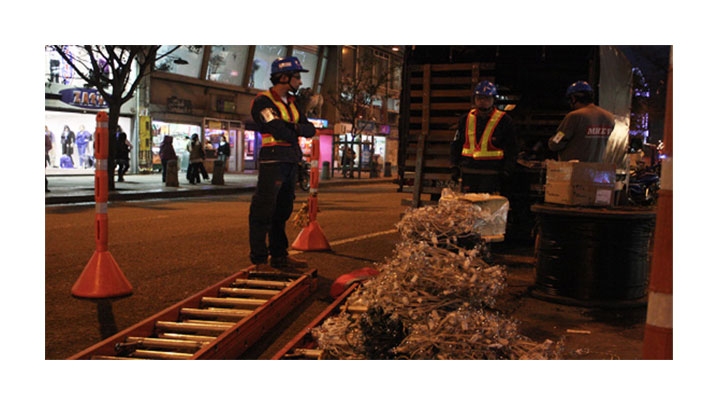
435 96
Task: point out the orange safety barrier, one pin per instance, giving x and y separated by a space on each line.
312 237
658 338
102 277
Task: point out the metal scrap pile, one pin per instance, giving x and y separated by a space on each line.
433 300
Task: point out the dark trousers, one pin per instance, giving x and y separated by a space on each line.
194 170
163 163
123 166
271 207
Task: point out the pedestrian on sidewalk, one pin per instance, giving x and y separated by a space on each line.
207 148
281 124
197 156
67 138
223 150
48 146
83 139
167 153
122 154
348 161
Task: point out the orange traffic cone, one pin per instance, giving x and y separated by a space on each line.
312 236
102 277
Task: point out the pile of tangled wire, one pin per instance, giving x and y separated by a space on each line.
433 299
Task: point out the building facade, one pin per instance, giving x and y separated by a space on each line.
208 90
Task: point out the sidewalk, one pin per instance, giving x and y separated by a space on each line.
78 186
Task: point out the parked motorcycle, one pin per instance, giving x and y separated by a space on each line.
304 175
643 185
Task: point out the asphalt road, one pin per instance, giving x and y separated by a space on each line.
172 249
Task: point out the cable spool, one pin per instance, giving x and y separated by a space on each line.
592 257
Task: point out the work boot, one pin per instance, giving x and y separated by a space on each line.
262 267
287 262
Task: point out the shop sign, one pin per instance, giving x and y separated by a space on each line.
318 123
178 105
342 128
226 106
83 98
366 126
145 133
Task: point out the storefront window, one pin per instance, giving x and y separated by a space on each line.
181 136
262 62
307 55
227 64
185 60
323 69
59 71
72 136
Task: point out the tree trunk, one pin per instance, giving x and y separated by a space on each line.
113 119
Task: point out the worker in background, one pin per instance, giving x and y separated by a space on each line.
280 123
484 149
583 133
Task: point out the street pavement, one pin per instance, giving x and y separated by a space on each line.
605 333
68 186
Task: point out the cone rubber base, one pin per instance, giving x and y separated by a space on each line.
311 237
102 278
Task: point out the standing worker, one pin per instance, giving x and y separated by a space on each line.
280 123
484 149
584 132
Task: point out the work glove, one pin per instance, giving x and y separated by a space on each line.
455 173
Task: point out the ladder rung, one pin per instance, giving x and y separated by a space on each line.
162 343
156 355
193 338
239 303
278 285
216 313
247 292
196 327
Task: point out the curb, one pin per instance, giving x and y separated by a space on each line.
158 193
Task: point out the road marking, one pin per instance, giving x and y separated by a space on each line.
361 237
355 239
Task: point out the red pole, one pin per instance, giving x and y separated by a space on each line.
658 339
312 236
102 277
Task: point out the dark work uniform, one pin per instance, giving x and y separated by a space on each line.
583 134
489 171
280 126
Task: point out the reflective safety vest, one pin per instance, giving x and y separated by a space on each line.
291 115
484 149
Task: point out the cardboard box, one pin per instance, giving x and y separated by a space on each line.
558 171
559 192
579 183
592 194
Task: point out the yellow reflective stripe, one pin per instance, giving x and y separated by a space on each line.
269 140
288 116
485 140
481 150
469 147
